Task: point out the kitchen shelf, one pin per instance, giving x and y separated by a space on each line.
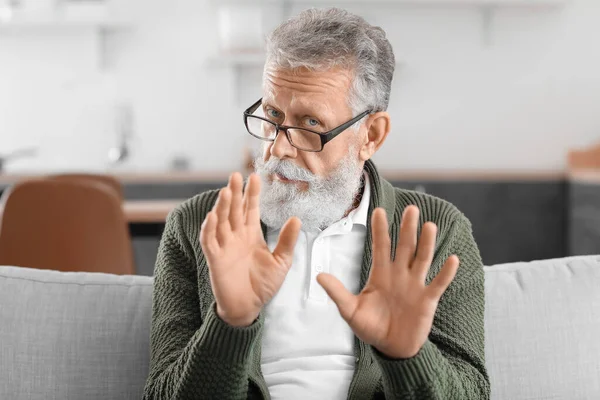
487 8
47 24
470 3
59 22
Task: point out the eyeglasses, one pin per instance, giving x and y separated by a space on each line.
302 139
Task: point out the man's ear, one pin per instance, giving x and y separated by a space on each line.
378 126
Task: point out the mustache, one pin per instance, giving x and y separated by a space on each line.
287 169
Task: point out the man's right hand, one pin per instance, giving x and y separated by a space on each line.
244 273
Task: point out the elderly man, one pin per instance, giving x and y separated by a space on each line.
318 279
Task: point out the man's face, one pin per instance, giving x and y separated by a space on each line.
312 100
317 187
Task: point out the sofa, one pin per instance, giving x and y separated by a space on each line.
86 336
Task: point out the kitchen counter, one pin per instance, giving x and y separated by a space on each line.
149 211
585 176
404 175
134 177
143 211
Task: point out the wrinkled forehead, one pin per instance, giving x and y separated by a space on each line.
328 89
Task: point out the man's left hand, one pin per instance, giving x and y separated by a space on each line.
394 311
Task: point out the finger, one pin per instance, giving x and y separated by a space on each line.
222 208
426 248
441 282
345 301
208 235
381 238
251 200
288 237
236 214
407 239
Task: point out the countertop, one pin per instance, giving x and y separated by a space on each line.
143 211
133 177
585 175
156 211
410 175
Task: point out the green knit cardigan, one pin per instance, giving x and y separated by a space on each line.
195 355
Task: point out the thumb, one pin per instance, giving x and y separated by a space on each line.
287 240
345 301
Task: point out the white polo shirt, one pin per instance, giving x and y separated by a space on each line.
307 348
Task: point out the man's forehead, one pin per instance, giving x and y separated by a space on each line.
336 78
300 103
311 92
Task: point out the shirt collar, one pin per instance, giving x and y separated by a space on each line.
359 214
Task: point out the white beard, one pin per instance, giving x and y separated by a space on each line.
325 202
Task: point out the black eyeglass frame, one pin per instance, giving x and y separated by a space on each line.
325 136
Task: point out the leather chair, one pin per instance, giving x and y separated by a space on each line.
109 180
65 225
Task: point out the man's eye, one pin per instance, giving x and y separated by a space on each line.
273 113
311 122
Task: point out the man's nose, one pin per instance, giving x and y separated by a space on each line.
282 148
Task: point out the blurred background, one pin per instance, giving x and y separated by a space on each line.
495 106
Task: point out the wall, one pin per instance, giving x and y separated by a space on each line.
517 102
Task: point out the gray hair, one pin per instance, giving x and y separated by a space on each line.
324 39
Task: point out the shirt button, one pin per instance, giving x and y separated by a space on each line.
357 360
319 268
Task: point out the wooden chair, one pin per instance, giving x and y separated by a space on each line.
65 225
109 180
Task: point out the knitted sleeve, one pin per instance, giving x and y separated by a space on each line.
451 363
191 357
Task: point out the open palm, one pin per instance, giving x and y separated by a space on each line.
244 273
394 312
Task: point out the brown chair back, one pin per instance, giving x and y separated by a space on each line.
65 225
109 180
